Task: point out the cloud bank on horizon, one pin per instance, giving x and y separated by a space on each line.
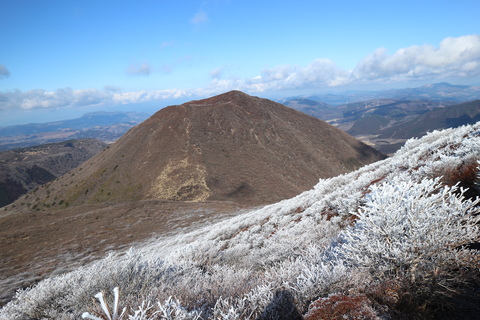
454 57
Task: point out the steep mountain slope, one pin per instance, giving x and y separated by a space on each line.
392 240
22 170
231 147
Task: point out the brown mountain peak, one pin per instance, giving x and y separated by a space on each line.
234 96
230 147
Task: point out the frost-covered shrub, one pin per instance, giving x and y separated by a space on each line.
322 276
418 232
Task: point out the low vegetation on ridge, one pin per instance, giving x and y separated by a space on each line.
396 239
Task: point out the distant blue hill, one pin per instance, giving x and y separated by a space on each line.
104 126
87 121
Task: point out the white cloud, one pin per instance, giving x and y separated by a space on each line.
199 18
66 97
4 73
37 99
143 69
455 57
321 72
144 96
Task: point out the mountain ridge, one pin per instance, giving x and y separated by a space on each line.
22 170
447 117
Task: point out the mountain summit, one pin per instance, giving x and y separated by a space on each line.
230 147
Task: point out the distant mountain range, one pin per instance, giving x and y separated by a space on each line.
437 91
314 108
388 118
105 126
344 116
447 117
22 170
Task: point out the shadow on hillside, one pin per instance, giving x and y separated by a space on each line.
282 307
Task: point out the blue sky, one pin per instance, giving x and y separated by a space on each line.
64 58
